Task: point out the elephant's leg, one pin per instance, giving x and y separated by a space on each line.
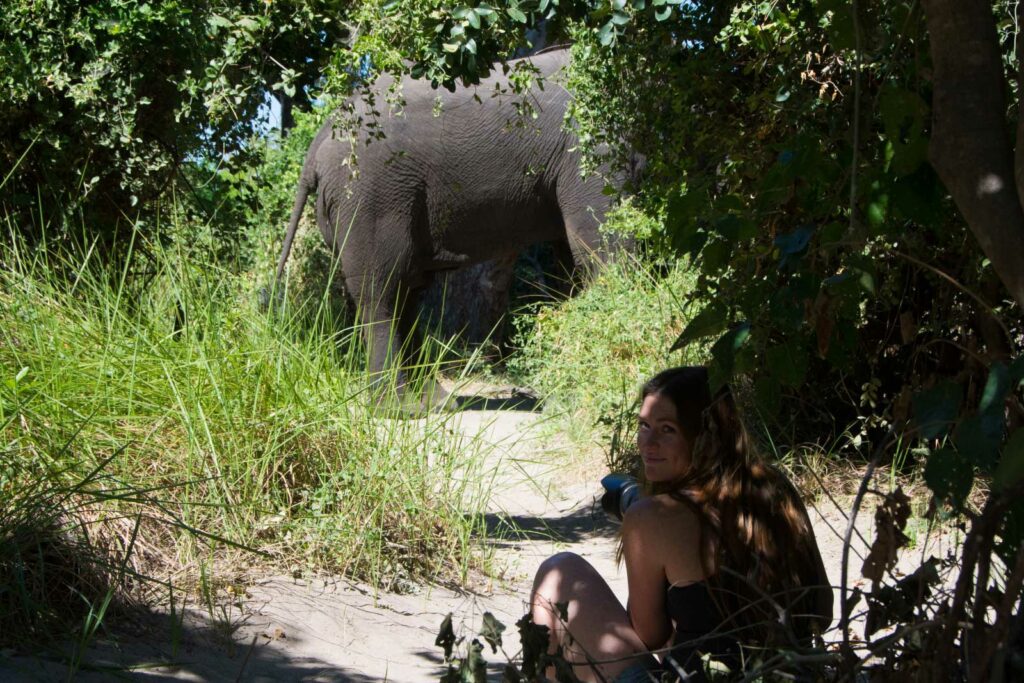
377 315
429 394
388 315
582 232
566 277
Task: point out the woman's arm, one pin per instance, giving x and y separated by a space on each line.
661 546
645 574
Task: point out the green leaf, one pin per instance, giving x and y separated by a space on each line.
218 21
711 320
446 637
949 476
680 220
491 631
903 116
473 668
867 281
833 232
978 437
1011 465
996 387
662 13
517 14
620 18
767 395
787 363
936 408
841 27
715 255
877 211
919 196
606 35
736 228
474 19
723 355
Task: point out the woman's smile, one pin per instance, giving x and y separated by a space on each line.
664 449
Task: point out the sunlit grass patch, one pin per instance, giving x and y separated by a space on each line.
588 355
222 426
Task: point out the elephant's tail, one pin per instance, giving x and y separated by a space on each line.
307 184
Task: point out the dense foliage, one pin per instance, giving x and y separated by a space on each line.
106 100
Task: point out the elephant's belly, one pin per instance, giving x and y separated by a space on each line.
473 234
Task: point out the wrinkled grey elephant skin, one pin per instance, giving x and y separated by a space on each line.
452 183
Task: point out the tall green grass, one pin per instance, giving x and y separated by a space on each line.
155 406
588 355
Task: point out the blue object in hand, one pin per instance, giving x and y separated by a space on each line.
621 491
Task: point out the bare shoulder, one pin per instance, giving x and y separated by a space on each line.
656 514
667 531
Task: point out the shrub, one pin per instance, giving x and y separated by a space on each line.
590 353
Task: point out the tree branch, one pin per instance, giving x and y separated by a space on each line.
970 147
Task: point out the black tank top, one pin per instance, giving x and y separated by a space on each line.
696 617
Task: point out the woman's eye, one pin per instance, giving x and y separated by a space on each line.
668 429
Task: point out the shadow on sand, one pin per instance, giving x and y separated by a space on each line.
585 523
516 402
143 650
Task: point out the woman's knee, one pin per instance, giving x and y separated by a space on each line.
564 561
565 578
561 568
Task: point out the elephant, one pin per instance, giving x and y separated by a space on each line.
443 181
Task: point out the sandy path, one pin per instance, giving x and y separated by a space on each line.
334 630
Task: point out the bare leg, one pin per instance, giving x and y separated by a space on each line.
598 628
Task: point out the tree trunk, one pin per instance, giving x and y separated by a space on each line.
970 147
287 114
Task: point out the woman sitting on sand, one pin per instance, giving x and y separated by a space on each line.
719 552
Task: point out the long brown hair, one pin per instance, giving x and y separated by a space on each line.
757 548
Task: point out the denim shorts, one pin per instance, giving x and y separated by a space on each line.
645 670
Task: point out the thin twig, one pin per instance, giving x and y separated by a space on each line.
845 606
949 278
1004 611
828 494
972 546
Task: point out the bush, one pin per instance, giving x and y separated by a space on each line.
590 353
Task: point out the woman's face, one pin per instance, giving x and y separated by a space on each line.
664 449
